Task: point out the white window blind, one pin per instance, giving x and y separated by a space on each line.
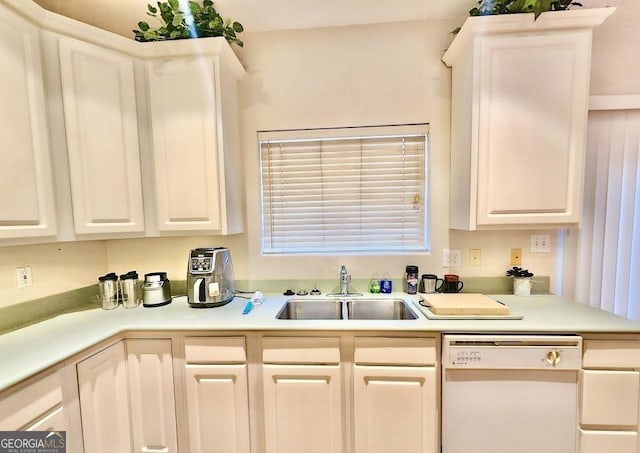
609 247
330 192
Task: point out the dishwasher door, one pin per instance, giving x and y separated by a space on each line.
510 394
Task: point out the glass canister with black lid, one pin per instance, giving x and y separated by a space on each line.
411 279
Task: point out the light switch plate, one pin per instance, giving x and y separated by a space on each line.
23 277
451 257
540 243
516 257
474 257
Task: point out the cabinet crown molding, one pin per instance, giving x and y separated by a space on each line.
585 18
50 21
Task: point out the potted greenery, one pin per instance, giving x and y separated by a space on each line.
522 280
495 7
198 21
492 7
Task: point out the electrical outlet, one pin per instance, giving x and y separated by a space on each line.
516 257
451 257
540 243
474 257
23 276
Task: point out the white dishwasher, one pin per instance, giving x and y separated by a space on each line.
510 393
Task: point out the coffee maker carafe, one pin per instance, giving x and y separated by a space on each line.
210 280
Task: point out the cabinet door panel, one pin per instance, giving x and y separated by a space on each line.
184 125
26 186
153 416
303 409
610 398
395 409
608 441
104 401
218 408
98 90
530 127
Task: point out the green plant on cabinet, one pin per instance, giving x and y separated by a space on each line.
177 22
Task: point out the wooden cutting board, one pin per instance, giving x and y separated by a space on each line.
464 304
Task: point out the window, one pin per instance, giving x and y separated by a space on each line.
344 190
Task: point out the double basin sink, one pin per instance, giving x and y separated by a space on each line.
389 309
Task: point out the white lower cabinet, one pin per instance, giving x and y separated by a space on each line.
127 398
217 395
104 401
302 408
608 441
395 399
395 409
151 390
36 407
302 395
47 403
610 396
386 402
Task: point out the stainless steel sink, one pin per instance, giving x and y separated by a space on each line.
311 309
389 309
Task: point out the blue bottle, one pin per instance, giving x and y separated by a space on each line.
385 284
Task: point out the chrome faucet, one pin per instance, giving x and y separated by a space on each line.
345 279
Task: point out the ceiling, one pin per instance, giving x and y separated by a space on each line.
120 16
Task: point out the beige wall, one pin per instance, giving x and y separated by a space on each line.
362 75
615 65
55 268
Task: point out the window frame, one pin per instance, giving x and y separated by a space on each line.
348 133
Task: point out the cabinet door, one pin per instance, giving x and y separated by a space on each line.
610 398
98 90
26 185
184 122
104 401
395 409
153 413
218 408
533 92
608 441
303 409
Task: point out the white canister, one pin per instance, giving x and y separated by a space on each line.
522 286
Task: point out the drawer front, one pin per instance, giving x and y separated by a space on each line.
395 351
611 354
610 398
608 441
28 406
302 350
215 350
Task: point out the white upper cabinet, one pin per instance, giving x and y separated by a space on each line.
193 115
114 137
26 187
98 92
520 93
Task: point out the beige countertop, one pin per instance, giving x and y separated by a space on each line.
32 349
